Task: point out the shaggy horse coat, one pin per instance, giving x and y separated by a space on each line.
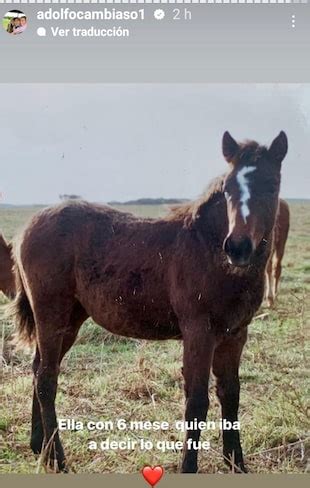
196 275
7 280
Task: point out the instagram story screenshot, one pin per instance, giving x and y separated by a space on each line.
154 243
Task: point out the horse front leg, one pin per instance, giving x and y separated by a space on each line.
199 346
226 370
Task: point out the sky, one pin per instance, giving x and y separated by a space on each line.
121 142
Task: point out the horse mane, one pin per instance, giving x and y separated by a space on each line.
188 212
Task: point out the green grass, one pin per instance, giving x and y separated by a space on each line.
5 23
105 378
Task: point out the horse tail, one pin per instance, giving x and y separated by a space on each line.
21 314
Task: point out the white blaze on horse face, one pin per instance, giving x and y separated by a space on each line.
244 189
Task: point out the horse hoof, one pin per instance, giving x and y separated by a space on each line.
235 462
36 446
241 469
189 468
54 466
64 469
62 466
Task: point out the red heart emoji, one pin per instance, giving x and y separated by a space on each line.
152 474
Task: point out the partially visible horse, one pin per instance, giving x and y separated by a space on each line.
7 279
274 266
196 275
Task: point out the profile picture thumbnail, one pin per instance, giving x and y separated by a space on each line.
14 22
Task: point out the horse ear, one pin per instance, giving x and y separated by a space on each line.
278 148
229 146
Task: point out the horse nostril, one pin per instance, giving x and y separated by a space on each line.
238 250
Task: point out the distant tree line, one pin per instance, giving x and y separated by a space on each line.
69 197
151 201
139 201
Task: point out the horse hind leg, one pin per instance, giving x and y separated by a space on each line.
269 297
277 273
37 433
274 279
77 318
267 284
270 281
53 342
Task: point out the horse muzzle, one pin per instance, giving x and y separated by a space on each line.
238 251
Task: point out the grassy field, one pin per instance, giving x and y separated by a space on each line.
105 378
5 23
